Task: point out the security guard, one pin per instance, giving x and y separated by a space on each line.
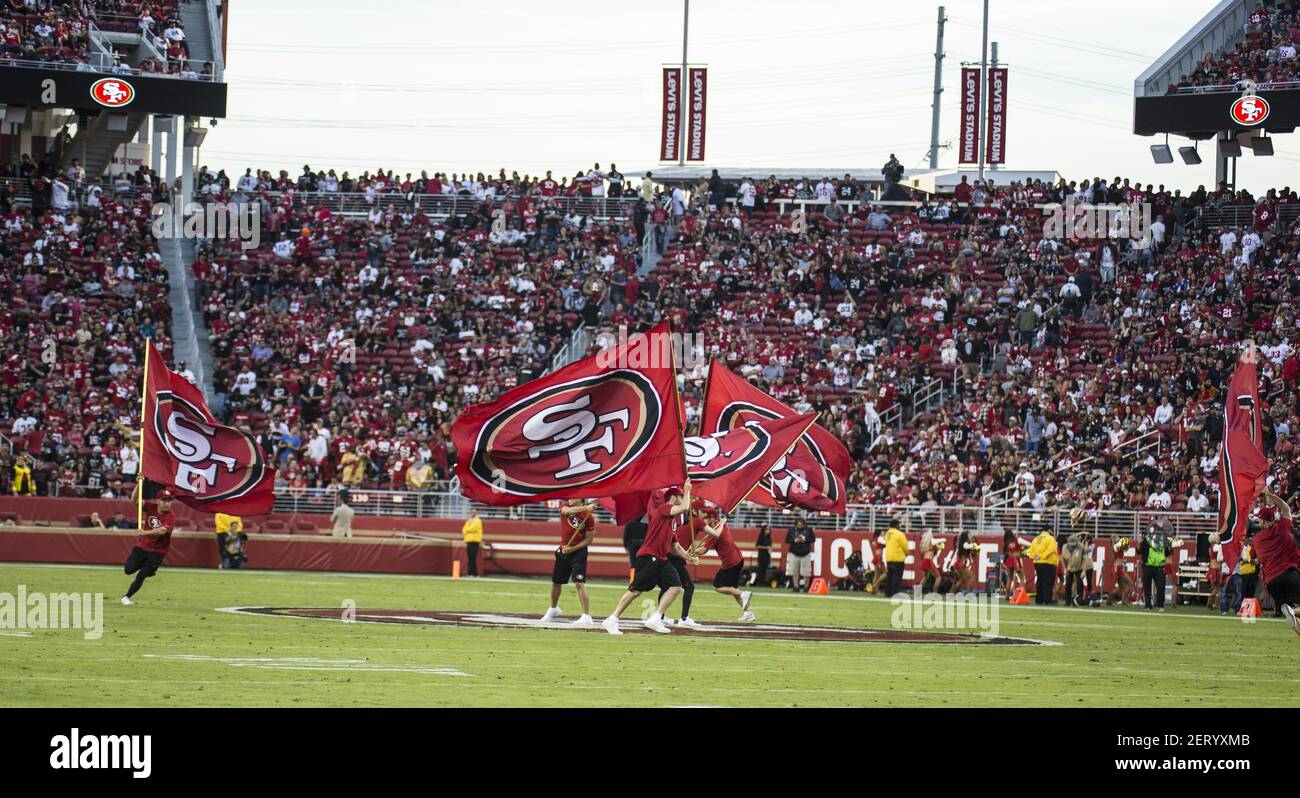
1045 556
895 557
472 534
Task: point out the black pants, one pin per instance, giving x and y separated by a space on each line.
893 578
221 548
1044 583
471 554
143 564
764 564
1074 587
688 585
1153 585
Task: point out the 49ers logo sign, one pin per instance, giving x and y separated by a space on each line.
1250 110
213 463
722 453
802 470
112 92
569 435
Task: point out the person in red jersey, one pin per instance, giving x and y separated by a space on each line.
666 510
717 536
577 530
154 540
1275 547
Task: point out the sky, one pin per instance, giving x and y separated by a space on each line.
530 85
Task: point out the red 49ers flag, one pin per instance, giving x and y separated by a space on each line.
210 467
601 426
1242 464
726 466
811 476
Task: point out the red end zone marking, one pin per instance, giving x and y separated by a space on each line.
747 631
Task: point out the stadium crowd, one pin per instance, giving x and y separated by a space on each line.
348 344
58 31
83 284
1266 55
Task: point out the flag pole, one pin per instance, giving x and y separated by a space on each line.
144 396
681 424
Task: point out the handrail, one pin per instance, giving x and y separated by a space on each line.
82 66
1274 85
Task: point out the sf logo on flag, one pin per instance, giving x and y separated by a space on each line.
781 480
1249 110
719 454
576 433
206 456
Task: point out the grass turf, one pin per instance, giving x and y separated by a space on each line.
174 649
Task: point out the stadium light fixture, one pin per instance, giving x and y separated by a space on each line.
1229 148
1189 155
1261 145
1160 153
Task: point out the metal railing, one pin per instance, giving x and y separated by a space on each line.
573 349
449 504
1276 85
924 397
1242 215
104 68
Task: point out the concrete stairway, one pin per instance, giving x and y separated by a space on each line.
189 333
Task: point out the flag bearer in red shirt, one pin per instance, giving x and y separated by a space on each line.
717 536
667 509
154 540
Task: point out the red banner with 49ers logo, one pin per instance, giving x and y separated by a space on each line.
209 466
601 426
811 475
726 466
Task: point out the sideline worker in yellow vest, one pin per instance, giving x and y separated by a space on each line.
472 534
895 557
1044 553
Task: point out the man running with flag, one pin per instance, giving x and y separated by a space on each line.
664 513
577 530
1278 558
151 547
717 536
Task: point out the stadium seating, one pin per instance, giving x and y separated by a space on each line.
381 326
1266 55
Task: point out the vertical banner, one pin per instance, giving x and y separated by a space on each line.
969 149
997 133
672 119
699 101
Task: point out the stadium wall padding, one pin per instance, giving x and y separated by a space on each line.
523 548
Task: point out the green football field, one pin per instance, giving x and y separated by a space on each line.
176 649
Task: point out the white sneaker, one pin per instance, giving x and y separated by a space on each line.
551 613
688 621
747 616
126 602
611 625
584 622
745 596
667 621
657 625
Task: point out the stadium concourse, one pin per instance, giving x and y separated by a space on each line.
958 353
